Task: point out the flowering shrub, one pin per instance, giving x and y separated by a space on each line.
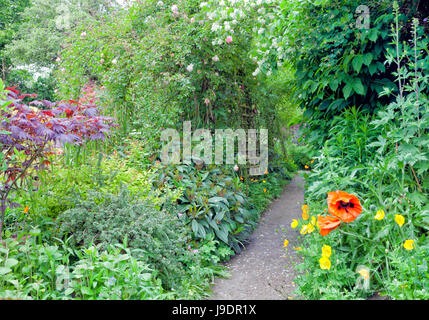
251 17
381 163
162 62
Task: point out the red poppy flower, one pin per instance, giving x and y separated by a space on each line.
327 223
344 206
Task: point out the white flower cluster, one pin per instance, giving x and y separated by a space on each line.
238 16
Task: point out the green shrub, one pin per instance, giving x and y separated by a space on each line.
213 202
158 68
339 63
382 159
33 271
157 236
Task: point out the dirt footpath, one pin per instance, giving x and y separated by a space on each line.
263 271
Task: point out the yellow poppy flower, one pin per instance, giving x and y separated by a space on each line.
399 219
306 167
304 229
326 251
310 228
379 215
26 209
409 244
313 220
305 210
325 263
285 243
294 223
312 161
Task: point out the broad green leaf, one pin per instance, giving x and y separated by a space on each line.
68 291
221 234
358 86
333 84
146 276
367 58
372 68
373 35
357 63
195 226
4 270
217 200
86 291
347 90
11 262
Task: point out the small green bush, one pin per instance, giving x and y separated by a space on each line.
213 202
157 236
29 270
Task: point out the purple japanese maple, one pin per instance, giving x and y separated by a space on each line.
30 131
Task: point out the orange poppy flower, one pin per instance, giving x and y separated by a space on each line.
327 223
343 205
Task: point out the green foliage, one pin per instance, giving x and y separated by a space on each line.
283 81
10 19
24 80
410 280
382 159
266 188
159 68
212 202
33 271
107 219
339 62
45 24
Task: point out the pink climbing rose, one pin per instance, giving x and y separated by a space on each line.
229 39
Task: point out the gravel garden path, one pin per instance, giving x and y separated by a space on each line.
264 271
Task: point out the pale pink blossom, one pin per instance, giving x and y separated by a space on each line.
175 10
228 39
